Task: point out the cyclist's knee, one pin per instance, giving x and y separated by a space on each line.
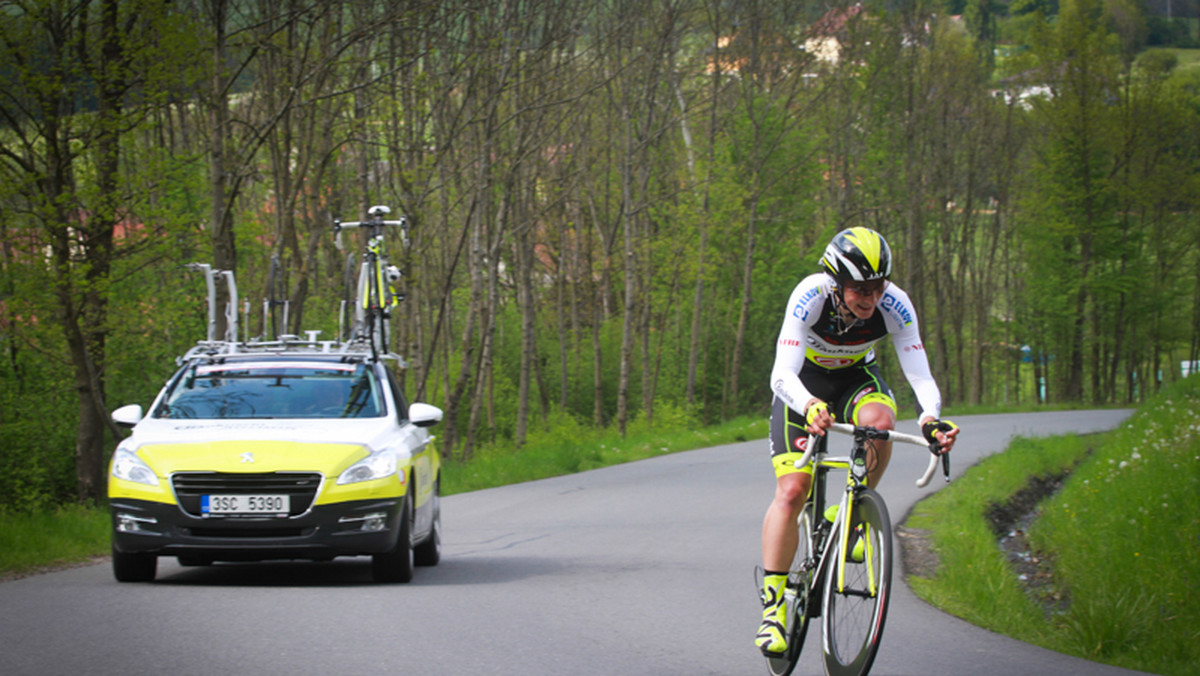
876 411
792 489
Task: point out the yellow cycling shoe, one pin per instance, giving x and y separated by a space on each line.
771 638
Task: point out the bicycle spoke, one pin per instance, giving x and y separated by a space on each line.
854 615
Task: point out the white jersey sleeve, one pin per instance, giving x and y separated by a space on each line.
905 330
804 307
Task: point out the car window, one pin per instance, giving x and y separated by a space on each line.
274 390
398 397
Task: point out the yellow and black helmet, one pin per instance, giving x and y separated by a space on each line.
857 255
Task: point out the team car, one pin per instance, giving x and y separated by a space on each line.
287 449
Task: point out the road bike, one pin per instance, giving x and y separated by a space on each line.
842 571
364 317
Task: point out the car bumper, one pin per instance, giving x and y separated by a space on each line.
324 532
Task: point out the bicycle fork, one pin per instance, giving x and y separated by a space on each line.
855 481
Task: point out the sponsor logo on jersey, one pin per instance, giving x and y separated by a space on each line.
914 348
893 305
789 342
832 362
864 392
801 309
781 393
802 443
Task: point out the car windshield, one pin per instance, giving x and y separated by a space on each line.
274 390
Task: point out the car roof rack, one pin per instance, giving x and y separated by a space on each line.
358 349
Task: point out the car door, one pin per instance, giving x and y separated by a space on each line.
418 441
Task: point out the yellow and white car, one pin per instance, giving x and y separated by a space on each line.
296 450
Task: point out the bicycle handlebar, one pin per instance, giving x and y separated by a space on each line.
888 435
338 225
375 221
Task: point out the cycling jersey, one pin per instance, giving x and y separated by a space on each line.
812 335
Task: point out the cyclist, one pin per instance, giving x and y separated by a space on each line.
824 370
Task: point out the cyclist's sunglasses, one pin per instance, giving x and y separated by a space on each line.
865 288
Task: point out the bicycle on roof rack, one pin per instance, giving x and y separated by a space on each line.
363 318
218 347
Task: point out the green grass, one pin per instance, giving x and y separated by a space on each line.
1123 535
65 535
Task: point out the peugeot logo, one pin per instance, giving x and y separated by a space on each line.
247 457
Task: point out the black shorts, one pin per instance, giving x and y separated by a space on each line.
844 390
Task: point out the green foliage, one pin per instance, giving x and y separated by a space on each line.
59 535
1002 217
1173 32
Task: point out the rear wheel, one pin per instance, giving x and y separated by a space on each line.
396 564
129 567
856 609
797 597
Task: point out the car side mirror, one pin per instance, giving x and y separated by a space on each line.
128 415
424 415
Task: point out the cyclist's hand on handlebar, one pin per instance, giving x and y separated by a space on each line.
818 417
943 432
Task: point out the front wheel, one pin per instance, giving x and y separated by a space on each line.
396 564
798 598
855 604
130 567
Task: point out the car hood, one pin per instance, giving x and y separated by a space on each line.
259 445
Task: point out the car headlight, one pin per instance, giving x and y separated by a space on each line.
126 465
375 466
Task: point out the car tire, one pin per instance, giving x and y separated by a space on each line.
396 564
128 567
429 552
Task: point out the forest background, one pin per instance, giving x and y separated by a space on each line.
611 200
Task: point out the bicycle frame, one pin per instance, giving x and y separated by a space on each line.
374 297
856 479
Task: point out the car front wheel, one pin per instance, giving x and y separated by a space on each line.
129 567
396 564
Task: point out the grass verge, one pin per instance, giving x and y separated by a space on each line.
31 542
1122 535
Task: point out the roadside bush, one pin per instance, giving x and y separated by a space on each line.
1164 32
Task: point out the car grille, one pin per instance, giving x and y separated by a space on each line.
301 486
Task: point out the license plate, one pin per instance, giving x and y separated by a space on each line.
245 504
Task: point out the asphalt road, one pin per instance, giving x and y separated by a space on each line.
643 568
